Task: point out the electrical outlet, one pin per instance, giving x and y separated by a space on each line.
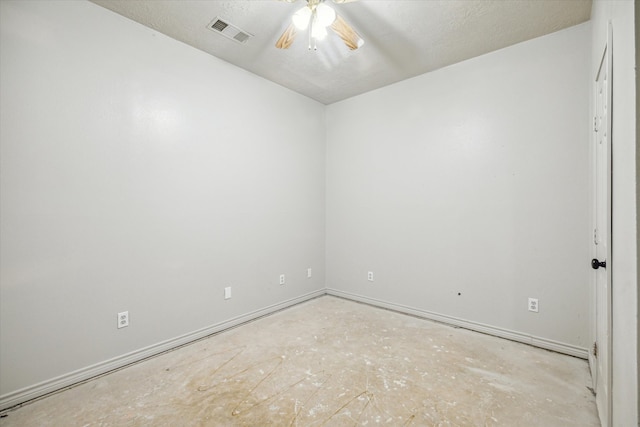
227 292
308 273
533 304
370 276
123 319
282 279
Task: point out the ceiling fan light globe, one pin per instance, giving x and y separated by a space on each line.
326 15
301 18
319 32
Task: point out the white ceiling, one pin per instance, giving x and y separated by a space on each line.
402 38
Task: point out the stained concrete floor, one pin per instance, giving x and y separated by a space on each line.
332 362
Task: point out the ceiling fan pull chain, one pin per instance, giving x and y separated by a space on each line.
315 21
310 28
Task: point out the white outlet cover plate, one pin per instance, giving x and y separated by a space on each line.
123 319
282 279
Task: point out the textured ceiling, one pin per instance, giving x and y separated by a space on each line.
402 38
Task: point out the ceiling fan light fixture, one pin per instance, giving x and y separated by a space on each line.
301 18
316 18
319 32
325 15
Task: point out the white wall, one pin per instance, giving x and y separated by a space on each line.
470 180
624 261
140 174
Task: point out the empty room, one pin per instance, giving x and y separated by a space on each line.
319 213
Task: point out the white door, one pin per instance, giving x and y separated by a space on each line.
600 356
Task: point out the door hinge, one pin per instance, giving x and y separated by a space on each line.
595 349
595 123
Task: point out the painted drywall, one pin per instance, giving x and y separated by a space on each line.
624 236
140 174
465 190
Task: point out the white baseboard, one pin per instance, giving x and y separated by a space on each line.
556 346
39 390
35 391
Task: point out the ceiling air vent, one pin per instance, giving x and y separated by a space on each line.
228 30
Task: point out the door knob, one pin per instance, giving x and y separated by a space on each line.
595 264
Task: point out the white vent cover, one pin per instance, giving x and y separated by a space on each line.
221 26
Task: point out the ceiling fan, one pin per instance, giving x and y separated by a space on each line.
316 16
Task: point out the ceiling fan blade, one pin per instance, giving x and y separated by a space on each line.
287 38
341 1
347 33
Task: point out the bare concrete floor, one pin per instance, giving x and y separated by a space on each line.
332 362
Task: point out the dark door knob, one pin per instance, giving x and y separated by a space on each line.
595 264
